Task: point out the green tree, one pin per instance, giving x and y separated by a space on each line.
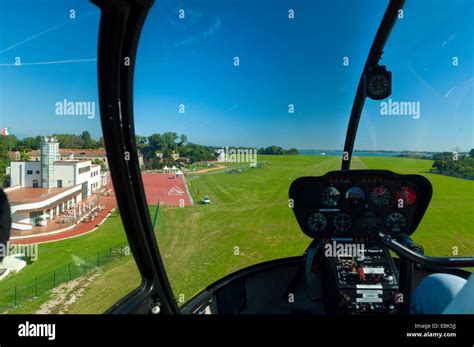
183 140
24 156
28 144
69 141
169 139
156 142
141 139
4 162
292 151
9 142
88 141
99 162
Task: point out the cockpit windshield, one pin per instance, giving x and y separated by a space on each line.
233 101
426 125
240 108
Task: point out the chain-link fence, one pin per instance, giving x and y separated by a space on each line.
19 293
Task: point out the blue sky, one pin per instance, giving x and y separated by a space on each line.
190 61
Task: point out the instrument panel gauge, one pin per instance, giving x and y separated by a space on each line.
378 86
369 222
406 196
355 196
330 196
342 222
396 222
317 222
380 196
378 82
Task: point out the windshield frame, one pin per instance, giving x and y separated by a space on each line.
119 32
120 29
375 54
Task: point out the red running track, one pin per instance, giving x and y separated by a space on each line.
165 188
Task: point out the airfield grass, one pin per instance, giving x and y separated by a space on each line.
57 255
113 283
248 221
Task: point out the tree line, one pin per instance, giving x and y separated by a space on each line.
276 150
66 141
157 149
454 164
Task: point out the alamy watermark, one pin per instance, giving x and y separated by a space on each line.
334 249
400 108
28 329
75 108
29 250
238 155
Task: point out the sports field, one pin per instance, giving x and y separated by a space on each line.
248 221
168 189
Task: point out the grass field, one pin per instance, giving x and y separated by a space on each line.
248 222
250 211
56 255
100 294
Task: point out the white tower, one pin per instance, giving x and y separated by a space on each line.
49 154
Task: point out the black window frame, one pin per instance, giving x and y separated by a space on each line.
120 28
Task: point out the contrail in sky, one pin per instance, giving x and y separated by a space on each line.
32 37
54 62
41 33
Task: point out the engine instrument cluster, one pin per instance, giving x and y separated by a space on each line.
360 202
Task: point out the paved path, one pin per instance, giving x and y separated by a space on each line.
218 167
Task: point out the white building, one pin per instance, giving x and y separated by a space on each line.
60 174
29 206
42 190
68 173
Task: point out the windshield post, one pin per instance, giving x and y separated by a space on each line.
120 29
375 54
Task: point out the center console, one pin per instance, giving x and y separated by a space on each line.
359 277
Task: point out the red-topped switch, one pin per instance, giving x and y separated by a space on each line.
360 271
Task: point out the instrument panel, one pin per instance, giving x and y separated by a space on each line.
360 202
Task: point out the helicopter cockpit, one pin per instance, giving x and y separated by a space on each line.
263 204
